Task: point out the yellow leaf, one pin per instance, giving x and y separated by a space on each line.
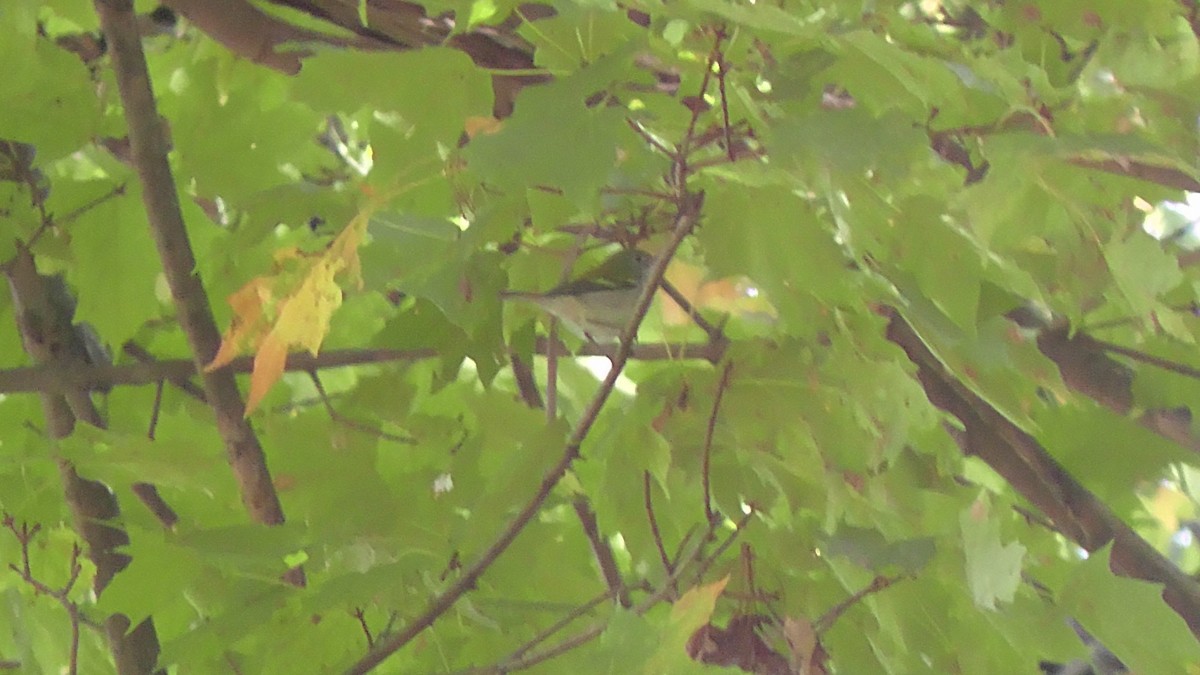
247 326
293 307
696 606
268 368
689 613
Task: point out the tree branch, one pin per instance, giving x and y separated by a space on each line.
255 35
664 592
49 337
685 220
601 551
1016 456
710 430
1085 368
49 379
24 536
655 533
1151 173
149 155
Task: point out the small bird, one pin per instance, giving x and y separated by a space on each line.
597 305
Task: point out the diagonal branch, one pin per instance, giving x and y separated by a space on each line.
710 430
1085 368
1027 467
149 154
685 220
696 559
601 550
1152 173
1165 364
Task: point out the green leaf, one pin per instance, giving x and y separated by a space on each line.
159 569
48 91
347 81
775 239
848 142
115 235
882 75
954 284
691 611
579 35
993 568
763 17
1109 606
1093 445
628 641
1142 270
235 143
561 140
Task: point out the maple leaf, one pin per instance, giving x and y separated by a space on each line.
291 307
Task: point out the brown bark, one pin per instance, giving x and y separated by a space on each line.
149 146
1033 473
50 339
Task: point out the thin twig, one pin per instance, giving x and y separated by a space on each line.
363 427
594 631
117 191
662 196
183 383
654 531
714 332
747 559
362 622
603 553
147 494
713 56
36 379
829 617
721 72
677 559
552 372
526 384
24 535
685 220
649 138
155 410
706 470
1035 518
721 160
1143 357
562 623
708 561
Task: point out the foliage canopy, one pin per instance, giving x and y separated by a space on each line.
923 393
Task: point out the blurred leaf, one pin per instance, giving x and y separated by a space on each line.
561 140
1107 606
869 549
993 568
1142 271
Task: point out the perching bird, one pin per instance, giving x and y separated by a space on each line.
599 304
